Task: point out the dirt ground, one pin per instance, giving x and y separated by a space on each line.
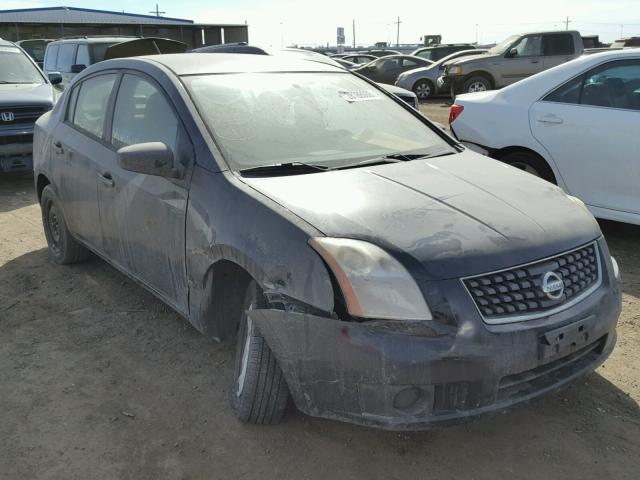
99 380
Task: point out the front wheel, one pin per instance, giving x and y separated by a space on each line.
63 248
260 393
477 83
423 89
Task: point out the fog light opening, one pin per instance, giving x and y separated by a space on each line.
407 398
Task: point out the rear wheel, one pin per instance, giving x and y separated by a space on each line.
63 248
423 89
530 163
260 393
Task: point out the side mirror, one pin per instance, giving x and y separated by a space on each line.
151 158
77 68
55 78
513 52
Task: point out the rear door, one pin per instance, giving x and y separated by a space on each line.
143 216
78 145
558 48
590 127
527 61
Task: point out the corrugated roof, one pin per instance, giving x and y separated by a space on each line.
83 15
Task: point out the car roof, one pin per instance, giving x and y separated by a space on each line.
98 39
200 64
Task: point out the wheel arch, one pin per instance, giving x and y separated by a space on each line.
500 153
481 73
41 182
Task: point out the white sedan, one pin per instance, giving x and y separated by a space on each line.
576 125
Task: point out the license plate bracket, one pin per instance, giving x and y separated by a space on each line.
566 340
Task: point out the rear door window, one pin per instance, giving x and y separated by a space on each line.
143 114
558 44
51 58
66 56
613 85
91 105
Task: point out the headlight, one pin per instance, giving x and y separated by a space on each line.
455 70
374 284
616 269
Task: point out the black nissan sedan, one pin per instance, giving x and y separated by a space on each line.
367 265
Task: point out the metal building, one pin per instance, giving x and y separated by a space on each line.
56 22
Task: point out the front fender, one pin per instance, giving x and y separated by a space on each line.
228 220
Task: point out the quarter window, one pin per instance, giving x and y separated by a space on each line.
51 58
568 93
65 57
91 106
142 114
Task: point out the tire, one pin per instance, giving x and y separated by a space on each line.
260 393
424 89
530 163
63 248
477 83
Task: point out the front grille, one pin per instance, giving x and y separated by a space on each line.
23 115
526 383
517 294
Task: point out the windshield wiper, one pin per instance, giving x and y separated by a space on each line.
291 168
395 158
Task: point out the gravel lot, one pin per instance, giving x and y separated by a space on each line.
99 380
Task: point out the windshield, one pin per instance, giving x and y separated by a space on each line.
17 67
328 119
501 48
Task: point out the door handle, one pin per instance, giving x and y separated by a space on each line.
106 179
57 147
550 119
535 61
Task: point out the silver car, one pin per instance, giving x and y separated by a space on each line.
422 81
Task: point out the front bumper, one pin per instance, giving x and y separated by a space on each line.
451 84
417 375
16 148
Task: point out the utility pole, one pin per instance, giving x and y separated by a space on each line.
566 24
621 29
398 34
157 11
354 32
476 34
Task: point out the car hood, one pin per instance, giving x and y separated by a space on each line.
26 94
483 57
446 217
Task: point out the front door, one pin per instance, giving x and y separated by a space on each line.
590 127
522 60
77 144
143 216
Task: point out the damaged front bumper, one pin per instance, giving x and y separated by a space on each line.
416 375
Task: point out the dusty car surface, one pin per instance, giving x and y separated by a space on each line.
369 266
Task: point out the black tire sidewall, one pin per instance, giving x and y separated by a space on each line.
48 201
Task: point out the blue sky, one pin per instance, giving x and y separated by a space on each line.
307 22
